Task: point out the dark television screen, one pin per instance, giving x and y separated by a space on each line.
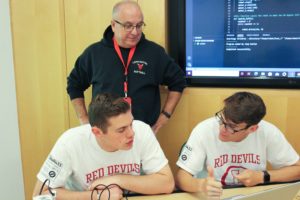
237 43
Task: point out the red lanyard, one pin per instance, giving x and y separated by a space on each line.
131 52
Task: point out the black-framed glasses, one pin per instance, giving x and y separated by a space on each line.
128 27
228 128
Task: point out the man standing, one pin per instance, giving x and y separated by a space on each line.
125 63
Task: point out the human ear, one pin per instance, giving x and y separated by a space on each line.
96 131
112 24
253 128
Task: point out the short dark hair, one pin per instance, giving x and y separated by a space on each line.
244 107
105 106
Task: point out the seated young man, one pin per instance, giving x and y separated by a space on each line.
234 147
112 149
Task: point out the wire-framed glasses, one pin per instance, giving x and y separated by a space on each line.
228 128
128 27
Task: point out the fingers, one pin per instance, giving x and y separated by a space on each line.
161 121
155 128
242 177
249 177
239 177
114 193
210 172
214 193
213 188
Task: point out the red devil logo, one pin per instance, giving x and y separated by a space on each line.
140 66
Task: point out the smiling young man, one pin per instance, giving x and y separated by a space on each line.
112 149
234 147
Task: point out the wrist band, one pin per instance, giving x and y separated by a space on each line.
168 115
266 177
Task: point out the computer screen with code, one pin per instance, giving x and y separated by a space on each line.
238 42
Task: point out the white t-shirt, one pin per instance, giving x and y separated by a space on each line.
76 159
204 148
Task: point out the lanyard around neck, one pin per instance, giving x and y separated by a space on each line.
131 52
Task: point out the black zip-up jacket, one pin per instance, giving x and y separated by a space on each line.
100 66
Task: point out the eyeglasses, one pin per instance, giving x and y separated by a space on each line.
129 27
228 128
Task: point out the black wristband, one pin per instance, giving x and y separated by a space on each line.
168 115
266 177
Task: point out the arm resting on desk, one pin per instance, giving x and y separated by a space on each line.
157 183
64 194
185 181
285 174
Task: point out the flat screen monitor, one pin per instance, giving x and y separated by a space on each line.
238 43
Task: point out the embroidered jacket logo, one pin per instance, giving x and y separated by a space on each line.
139 67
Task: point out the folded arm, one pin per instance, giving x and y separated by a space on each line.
157 183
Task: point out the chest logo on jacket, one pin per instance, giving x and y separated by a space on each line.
139 67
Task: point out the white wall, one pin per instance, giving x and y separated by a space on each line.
11 176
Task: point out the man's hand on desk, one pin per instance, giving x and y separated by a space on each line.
211 187
250 177
114 193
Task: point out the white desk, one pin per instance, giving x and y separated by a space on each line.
198 196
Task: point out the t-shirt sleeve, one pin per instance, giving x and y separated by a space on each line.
57 166
153 158
193 155
280 152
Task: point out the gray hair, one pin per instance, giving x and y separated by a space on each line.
118 6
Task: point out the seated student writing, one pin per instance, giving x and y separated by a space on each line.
112 149
234 147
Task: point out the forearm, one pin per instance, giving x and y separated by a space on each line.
80 109
157 183
284 174
172 101
208 186
63 194
147 184
251 177
188 183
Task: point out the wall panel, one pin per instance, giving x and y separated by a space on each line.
154 17
39 57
